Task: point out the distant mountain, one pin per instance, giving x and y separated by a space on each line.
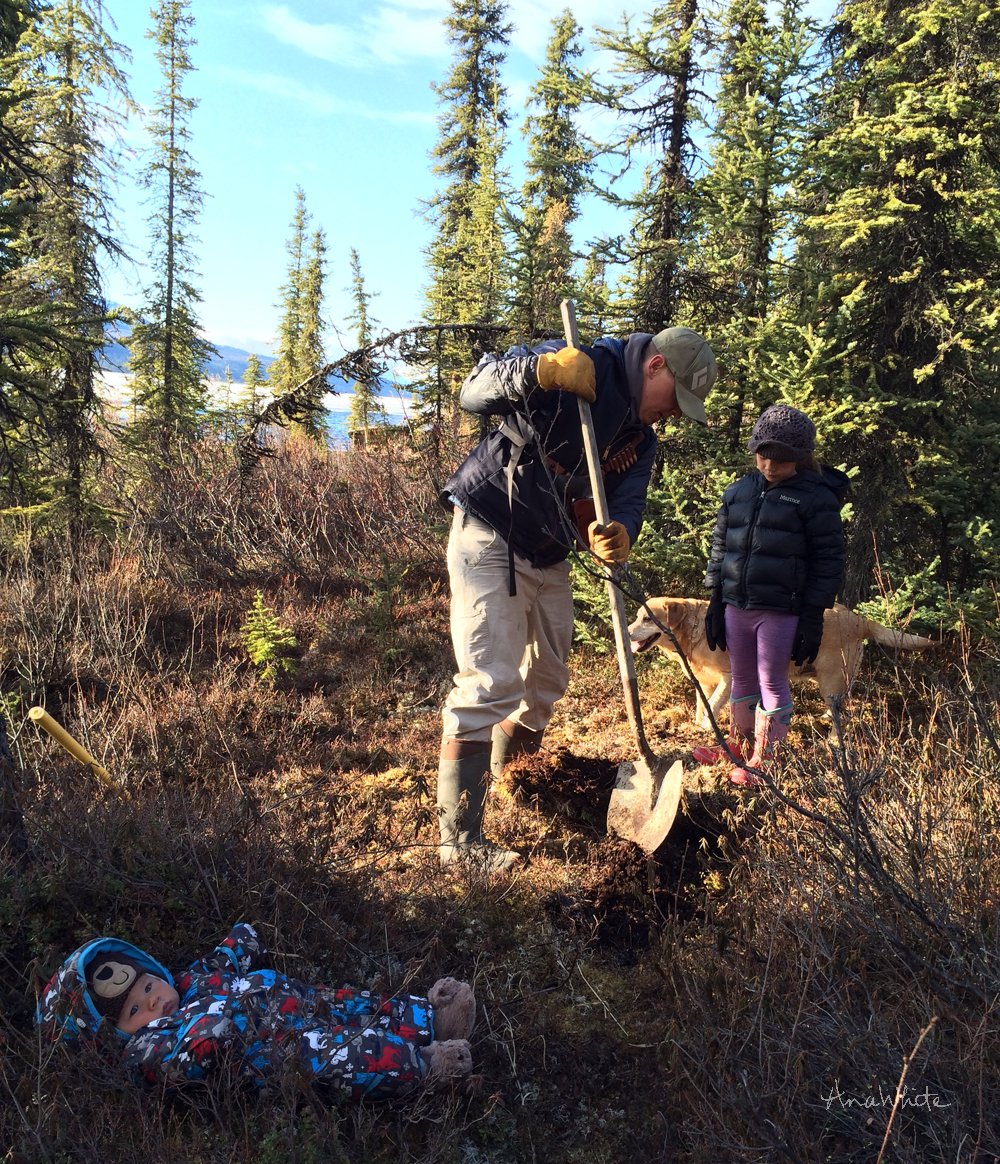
114 356
235 359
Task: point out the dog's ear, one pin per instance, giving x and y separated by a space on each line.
661 611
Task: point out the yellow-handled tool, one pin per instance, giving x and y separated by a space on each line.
42 718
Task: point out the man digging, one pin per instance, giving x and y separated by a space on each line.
521 505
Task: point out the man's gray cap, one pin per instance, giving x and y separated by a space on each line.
689 357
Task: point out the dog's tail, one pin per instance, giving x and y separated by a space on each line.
897 639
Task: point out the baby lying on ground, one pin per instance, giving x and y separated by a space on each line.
227 1008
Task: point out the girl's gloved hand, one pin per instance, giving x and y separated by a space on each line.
715 622
808 635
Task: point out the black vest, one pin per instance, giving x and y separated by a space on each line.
543 441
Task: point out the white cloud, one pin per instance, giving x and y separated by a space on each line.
533 20
396 32
389 34
318 101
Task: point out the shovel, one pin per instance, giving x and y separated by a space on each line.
647 791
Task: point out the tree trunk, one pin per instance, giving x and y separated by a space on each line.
13 835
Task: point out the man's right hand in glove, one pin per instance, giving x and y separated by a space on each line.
568 370
715 622
609 542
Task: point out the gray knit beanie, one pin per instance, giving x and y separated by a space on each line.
782 433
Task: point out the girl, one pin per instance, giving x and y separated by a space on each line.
776 563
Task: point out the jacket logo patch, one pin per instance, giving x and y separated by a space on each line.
785 497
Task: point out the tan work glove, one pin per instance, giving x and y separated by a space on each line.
609 542
569 370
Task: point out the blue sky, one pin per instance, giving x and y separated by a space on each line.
335 97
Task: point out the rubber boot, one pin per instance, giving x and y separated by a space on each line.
511 739
771 728
461 799
741 733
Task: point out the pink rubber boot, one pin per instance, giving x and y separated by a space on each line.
741 733
770 729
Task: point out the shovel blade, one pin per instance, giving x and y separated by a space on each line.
644 802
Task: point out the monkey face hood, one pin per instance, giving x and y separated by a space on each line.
67 1009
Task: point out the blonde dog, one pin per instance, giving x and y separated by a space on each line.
844 635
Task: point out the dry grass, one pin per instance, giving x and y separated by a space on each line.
809 977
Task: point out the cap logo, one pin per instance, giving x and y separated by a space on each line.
699 380
112 979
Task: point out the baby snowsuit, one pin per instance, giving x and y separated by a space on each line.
255 1021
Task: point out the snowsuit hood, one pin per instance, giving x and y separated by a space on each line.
66 1009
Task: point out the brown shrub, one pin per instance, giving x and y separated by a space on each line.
810 977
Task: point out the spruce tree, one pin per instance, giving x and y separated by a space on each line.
594 303
301 326
25 332
61 62
310 356
311 348
482 275
254 379
168 354
655 104
467 285
20 174
900 265
22 337
558 163
246 399
741 222
284 371
365 406
745 210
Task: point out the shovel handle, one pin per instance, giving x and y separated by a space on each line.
626 664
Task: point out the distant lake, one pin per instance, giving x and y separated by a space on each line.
338 410
338 405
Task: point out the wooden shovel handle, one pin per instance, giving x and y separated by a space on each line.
626 664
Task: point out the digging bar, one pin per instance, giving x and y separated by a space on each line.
647 791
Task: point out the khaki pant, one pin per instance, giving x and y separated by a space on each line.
511 651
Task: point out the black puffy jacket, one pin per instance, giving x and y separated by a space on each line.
780 547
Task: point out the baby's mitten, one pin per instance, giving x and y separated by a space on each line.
451 1059
454 1009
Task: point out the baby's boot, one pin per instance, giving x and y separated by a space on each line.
450 1059
454 1009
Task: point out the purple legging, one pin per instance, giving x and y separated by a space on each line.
760 648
